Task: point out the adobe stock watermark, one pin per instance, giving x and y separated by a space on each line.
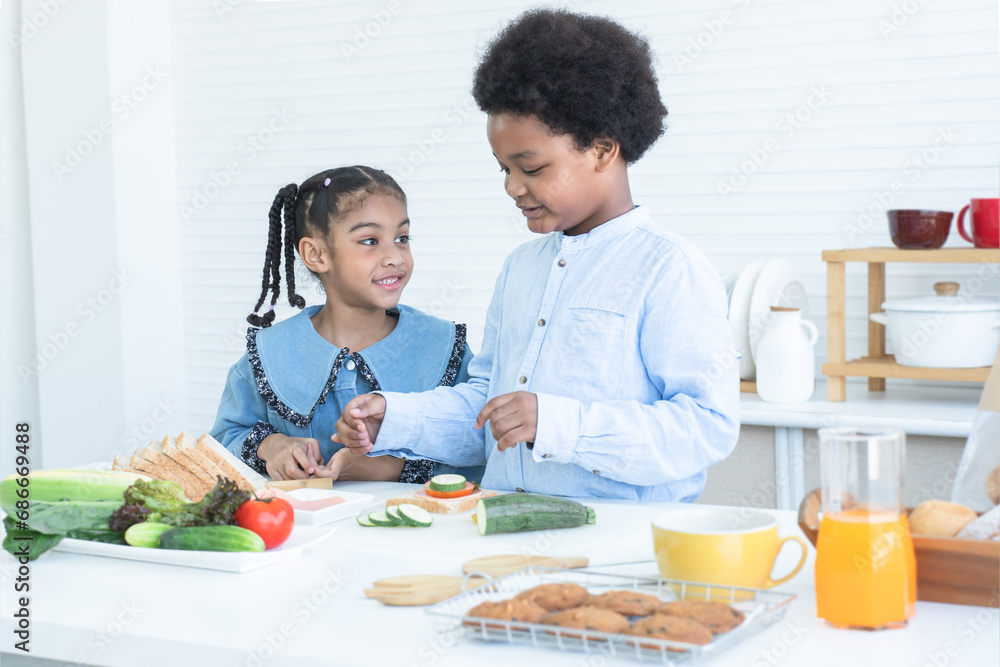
140 434
301 611
451 291
424 148
99 641
898 17
88 310
247 151
32 25
713 29
913 169
121 108
364 34
793 634
975 623
787 125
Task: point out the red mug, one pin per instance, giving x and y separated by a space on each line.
985 221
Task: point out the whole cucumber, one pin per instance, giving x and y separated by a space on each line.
516 512
211 538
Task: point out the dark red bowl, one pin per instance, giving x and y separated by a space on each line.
911 229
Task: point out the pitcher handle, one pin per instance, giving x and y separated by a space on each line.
802 561
813 333
961 225
809 515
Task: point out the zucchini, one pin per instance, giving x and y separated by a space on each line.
211 538
382 519
412 515
146 534
447 483
392 511
58 485
515 512
365 521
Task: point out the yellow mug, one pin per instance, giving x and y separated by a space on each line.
728 546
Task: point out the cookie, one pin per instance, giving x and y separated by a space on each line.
508 610
555 597
589 618
716 616
673 628
628 603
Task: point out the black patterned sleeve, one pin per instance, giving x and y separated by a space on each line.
416 471
250 445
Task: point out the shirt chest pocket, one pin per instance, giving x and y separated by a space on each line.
588 344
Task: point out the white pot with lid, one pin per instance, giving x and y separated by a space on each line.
943 331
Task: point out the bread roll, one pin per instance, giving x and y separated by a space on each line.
993 486
938 518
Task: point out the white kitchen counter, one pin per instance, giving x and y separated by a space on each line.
104 611
939 411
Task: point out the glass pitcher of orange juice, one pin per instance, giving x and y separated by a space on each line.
866 574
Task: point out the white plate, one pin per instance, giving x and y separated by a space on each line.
240 561
353 503
739 315
729 282
776 286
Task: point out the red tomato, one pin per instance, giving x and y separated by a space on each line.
271 518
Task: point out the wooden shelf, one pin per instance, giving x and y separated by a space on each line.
877 366
939 256
886 367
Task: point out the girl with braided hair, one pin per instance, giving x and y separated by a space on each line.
283 397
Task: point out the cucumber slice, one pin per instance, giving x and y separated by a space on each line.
382 519
415 516
365 521
445 483
392 511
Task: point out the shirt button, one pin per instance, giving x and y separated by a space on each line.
562 262
519 490
522 379
350 365
546 456
541 322
597 472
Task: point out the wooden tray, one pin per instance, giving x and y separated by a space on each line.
948 569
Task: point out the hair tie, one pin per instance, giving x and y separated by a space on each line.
326 182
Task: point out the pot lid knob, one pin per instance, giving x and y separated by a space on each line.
947 288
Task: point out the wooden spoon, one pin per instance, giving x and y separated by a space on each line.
420 589
502 565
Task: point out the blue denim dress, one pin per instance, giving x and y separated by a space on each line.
293 381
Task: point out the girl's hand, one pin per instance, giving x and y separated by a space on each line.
359 424
351 464
513 418
290 458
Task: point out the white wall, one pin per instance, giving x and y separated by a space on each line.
100 161
280 75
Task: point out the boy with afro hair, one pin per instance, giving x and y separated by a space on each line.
606 367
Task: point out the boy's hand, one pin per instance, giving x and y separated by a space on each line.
351 464
513 418
290 458
359 424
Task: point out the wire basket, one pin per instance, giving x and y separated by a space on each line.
761 608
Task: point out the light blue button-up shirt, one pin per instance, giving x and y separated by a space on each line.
622 334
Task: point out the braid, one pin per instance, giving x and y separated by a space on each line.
272 256
290 236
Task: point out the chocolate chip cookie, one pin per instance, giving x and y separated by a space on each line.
508 610
589 618
555 597
659 626
718 617
628 603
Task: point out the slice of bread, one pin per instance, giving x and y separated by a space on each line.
420 498
169 447
142 464
121 463
232 467
187 444
166 468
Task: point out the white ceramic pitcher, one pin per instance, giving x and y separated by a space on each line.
786 359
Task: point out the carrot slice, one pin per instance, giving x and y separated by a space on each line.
467 491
